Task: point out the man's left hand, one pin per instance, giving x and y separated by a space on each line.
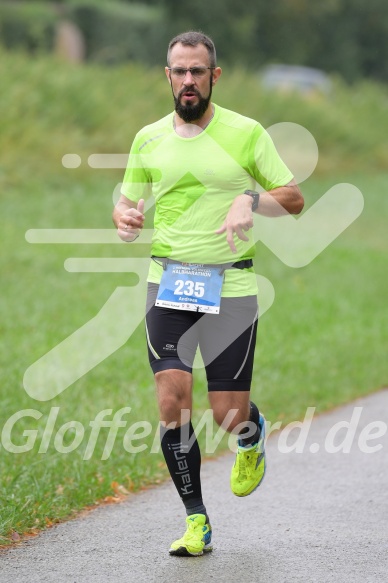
238 220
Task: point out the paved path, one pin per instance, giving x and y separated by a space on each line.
318 517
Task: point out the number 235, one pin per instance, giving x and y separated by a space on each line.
189 288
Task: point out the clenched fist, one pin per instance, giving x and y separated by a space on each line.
130 222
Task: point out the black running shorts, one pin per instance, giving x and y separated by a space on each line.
226 340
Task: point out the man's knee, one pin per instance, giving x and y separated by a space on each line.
230 419
174 395
173 409
230 409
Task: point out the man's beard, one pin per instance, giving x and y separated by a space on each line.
192 112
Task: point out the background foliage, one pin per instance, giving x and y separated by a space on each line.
347 37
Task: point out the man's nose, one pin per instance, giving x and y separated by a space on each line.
188 78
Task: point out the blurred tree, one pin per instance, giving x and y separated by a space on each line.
371 36
231 24
344 36
348 37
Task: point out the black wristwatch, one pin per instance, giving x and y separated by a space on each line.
255 198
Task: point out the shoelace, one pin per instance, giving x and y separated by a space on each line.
193 530
245 465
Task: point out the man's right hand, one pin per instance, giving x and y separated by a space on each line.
131 222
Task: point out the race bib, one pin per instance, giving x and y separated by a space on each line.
190 286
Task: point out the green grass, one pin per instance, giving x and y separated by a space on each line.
324 339
322 343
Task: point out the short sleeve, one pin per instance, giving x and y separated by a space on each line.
137 180
266 166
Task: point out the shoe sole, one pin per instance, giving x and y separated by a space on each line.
183 552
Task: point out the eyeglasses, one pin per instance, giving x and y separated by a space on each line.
196 72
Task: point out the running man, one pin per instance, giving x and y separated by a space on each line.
209 170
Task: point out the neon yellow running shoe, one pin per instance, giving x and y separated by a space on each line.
250 465
196 540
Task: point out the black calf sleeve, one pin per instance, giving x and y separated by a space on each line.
253 418
183 458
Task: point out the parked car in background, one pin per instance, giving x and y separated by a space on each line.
305 80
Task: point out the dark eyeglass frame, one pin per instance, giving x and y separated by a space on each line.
193 71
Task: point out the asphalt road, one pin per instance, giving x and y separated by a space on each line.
319 516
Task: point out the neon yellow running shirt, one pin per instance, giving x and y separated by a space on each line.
194 182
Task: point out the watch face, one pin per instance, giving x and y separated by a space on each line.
255 198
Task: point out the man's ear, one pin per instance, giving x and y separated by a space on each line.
167 74
216 74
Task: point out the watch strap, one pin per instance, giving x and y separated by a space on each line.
255 198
